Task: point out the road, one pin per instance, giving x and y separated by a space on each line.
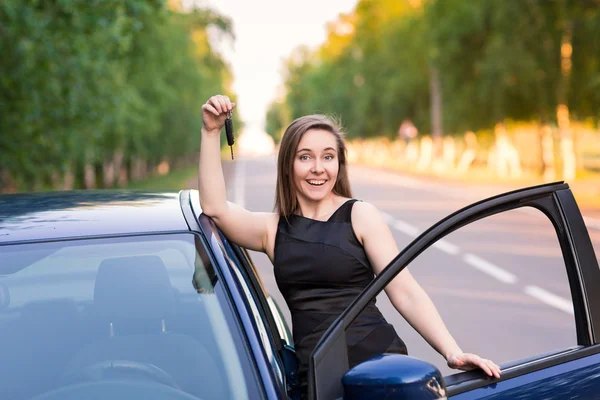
499 284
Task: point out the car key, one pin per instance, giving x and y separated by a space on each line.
229 131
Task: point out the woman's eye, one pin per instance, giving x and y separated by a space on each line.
329 158
304 157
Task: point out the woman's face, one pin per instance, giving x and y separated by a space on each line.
316 164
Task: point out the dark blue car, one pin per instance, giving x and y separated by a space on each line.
125 295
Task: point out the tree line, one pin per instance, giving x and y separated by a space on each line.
450 66
97 91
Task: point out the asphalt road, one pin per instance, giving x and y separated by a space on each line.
499 284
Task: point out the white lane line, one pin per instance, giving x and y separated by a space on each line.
550 299
446 247
485 266
239 183
413 231
406 228
387 217
489 268
592 222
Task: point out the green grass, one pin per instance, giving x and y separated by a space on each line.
175 180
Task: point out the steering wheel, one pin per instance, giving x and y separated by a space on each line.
119 369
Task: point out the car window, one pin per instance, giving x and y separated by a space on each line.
500 285
138 310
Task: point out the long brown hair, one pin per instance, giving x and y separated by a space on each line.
286 200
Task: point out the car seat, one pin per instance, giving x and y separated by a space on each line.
134 300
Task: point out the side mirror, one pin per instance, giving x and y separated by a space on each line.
395 376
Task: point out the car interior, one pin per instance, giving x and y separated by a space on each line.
138 331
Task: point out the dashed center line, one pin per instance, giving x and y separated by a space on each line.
446 247
484 266
387 217
592 222
489 268
406 228
550 298
413 231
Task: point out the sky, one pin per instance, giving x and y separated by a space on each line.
266 33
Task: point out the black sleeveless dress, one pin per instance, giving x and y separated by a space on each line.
320 267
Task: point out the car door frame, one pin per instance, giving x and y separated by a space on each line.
277 329
232 257
262 296
329 361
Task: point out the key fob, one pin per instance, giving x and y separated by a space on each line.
229 132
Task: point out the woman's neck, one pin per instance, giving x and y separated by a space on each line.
319 209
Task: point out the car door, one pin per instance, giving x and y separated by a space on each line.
564 371
257 331
272 312
270 326
275 325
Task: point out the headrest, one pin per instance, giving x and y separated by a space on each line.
134 288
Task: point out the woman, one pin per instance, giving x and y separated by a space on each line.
324 245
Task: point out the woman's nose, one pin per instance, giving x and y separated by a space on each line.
317 167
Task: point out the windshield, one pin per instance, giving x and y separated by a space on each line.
127 317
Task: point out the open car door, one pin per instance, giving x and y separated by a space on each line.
566 371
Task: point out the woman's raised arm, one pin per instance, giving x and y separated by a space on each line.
241 226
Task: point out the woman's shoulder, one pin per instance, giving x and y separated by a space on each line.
366 217
364 209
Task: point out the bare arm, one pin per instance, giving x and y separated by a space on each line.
407 296
241 226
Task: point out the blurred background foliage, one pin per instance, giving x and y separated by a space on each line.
492 60
95 93
101 92
452 66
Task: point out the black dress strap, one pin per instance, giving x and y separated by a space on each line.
344 212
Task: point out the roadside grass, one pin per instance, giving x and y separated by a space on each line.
175 180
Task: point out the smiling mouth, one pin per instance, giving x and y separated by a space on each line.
316 182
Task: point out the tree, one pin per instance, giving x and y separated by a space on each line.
86 84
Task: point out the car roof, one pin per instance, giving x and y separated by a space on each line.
70 214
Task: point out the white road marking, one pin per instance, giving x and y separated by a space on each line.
239 183
550 299
446 247
489 268
413 231
485 266
387 217
406 228
592 222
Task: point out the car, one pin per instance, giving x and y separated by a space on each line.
116 294
132 295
